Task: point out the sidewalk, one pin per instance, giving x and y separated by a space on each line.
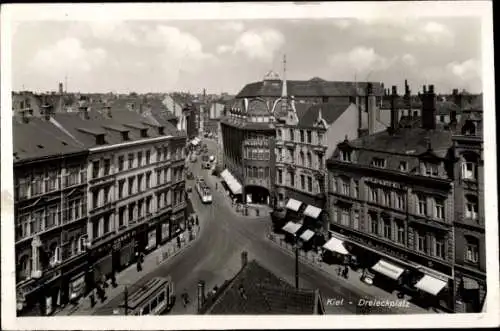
130 275
353 282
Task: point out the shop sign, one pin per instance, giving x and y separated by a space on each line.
386 183
381 248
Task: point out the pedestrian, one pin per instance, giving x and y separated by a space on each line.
339 271
346 272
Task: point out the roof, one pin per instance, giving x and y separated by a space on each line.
446 107
330 112
401 103
40 138
410 141
256 290
306 88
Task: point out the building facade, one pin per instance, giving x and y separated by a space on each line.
394 199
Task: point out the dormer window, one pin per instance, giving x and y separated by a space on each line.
99 139
430 169
469 128
378 162
125 136
345 156
403 166
144 133
161 130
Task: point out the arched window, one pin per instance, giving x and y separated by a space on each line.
24 267
301 157
309 159
472 249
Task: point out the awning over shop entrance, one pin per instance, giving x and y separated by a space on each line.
307 235
293 204
388 269
312 211
430 284
231 182
335 245
291 227
195 141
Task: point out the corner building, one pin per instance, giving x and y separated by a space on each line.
393 203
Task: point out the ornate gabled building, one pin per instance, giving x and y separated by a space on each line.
395 198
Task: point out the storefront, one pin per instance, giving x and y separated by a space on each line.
176 223
76 287
335 251
152 242
73 282
312 217
293 210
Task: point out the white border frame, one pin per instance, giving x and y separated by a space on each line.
180 11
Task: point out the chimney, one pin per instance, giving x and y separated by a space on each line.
429 109
244 259
394 110
201 294
370 107
61 88
457 98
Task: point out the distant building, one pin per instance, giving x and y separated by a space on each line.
254 290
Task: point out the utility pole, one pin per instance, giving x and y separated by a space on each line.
296 261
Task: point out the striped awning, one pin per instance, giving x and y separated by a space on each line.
307 235
312 211
430 284
293 204
292 227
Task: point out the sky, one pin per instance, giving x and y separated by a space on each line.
223 55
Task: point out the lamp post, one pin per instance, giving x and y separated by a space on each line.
296 260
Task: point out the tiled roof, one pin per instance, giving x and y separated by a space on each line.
256 290
329 112
40 138
307 88
411 141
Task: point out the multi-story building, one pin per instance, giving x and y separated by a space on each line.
393 202
469 222
125 195
247 132
50 211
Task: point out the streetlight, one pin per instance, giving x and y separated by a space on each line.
296 260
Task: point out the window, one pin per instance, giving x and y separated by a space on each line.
378 162
469 170
148 205
51 183
121 217
309 137
280 155
356 189
301 158
471 207
334 212
421 242
37 184
139 182
292 179
334 184
95 198
355 221
261 172
107 194
320 162
400 229
387 228
421 205
131 212
280 134
373 223
430 169
345 187
148 179
159 154
139 159
344 216
302 182
291 134
52 218
130 161
386 198
439 208
107 224
131 185
400 201
373 194
309 184
140 204
345 156
472 250
121 163
95 169
439 248
469 128
95 229
320 138
302 136
403 166
309 159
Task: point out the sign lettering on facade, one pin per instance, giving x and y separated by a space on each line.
384 183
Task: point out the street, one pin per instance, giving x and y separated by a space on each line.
215 256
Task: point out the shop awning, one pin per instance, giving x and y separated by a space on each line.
307 235
430 284
293 204
335 245
231 182
195 141
312 211
388 269
291 227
